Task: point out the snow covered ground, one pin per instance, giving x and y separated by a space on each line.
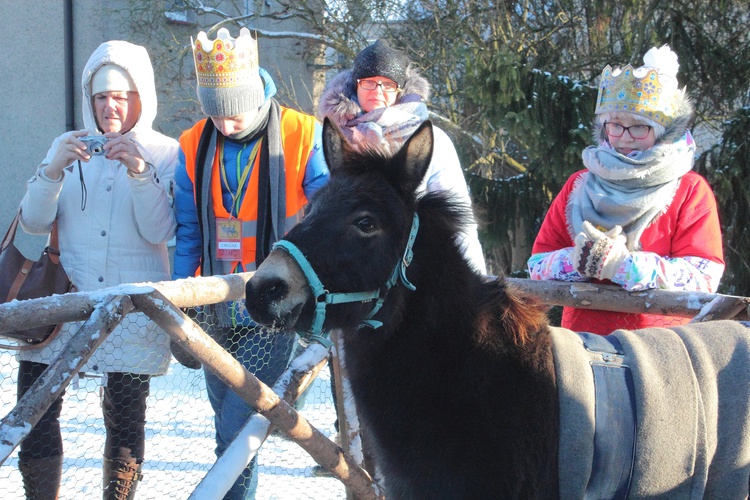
179 447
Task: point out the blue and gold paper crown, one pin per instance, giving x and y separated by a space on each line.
643 95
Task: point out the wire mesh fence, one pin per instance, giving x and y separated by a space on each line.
179 432
179 438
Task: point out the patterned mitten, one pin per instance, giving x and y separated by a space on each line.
597 254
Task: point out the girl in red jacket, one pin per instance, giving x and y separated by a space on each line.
637 215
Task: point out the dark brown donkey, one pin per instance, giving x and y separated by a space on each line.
452 373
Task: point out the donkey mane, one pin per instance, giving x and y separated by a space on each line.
522 315
502 305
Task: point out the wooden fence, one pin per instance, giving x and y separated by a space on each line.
103 310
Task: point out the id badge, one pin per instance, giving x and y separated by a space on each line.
228 239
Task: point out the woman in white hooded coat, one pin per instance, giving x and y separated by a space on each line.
114 216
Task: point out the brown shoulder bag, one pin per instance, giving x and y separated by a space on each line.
21 279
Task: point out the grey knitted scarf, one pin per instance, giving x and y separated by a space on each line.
625 191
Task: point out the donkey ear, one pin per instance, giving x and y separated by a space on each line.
334 145
415 156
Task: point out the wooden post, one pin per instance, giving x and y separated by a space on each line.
347 431
194 340
219 479
47 388
77 306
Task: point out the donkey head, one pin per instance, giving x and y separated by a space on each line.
352 237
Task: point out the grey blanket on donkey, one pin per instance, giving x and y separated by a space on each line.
692 389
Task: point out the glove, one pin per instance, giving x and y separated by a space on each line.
597 254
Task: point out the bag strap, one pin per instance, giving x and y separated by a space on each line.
11 234
23 273
29 347
53 249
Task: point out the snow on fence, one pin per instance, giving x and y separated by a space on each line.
179 449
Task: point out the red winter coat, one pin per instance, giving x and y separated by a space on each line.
689 228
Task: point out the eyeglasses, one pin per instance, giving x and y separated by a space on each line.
635 131
372 85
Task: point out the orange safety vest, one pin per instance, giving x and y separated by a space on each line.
297 136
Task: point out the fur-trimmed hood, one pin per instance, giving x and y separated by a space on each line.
339 99
672 133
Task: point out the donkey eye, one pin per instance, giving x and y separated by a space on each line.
365 224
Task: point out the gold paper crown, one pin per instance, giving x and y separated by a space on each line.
643 95
226 62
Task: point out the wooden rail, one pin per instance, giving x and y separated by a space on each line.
211 290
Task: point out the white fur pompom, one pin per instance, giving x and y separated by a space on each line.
663 60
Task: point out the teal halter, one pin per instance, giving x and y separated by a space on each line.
323 297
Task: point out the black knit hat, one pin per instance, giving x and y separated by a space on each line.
380 59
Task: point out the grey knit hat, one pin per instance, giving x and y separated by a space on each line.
380 59
229 82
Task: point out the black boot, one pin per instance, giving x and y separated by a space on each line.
41 477
120 478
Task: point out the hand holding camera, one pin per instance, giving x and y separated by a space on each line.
124 148
81 146
70 150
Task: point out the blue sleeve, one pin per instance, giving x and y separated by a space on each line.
316 172
187 254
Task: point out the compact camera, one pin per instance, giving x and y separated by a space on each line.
94 144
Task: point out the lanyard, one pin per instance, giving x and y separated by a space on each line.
241 173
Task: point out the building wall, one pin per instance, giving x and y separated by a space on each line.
32 92
31 111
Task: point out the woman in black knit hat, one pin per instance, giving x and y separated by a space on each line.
380 102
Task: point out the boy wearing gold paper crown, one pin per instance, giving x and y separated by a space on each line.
637 215
244 176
